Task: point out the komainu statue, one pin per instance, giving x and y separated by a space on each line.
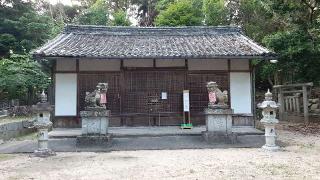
97 98
217 98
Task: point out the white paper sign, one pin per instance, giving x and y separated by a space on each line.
186 103
164 95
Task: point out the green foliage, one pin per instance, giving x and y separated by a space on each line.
297 57
163 4
215 12
120 19
22 28
97 14
256 19
21 75
181 13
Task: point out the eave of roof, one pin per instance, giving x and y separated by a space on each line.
102 42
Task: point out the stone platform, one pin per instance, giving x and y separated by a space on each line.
134 143
152 131
103 141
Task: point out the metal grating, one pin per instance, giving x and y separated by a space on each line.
142 91
139 93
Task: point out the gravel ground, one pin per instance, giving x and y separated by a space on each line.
299 159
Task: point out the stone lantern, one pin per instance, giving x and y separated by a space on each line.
42 123
269 120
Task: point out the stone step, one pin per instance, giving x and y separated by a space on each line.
127 132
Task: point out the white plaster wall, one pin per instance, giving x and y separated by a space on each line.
99 65
239 64
66 94
240 92
208 64
66 64
170 62
138 63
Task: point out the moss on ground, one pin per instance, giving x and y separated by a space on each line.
8 119
4 157
31 136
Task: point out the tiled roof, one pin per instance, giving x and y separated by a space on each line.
152 42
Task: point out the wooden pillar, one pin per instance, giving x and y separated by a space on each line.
291 105
286 107
305 104
78 88
298 104
281 101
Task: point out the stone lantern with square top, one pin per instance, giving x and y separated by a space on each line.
269 120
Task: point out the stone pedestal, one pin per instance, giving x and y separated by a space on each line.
219 120
43 149
270 135
218 126
95 123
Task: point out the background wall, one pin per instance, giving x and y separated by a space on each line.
65 64
240 92
208 64
66 94
99 65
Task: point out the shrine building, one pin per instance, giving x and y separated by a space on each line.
147 70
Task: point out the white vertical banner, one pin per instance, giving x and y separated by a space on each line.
186 101
66 94
240 92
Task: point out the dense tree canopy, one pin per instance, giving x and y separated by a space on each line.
21 76
181 13
120 19
97 14
22 28
215 12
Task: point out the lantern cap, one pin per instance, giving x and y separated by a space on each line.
268 102
268 95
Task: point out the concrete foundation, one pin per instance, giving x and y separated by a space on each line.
218 137
93 141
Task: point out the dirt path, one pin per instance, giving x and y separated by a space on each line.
300 159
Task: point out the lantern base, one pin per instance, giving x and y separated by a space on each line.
270 148
43 153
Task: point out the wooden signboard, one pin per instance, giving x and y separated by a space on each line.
186 101
186 110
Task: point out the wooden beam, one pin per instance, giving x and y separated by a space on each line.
296 91
78 89
305 104
293 85
281 102
229 82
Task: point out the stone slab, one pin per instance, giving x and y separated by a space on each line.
93 141
151 131
134 143
219 123
216 137
219 120
95 113
14 129
95 125
218 111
